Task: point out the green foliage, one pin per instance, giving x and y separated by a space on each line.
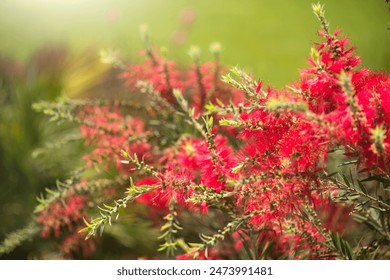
169 230
16 238
23 132
208 242
106 211
279 104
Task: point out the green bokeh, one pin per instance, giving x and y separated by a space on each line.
270 38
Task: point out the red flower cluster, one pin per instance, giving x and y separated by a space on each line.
163 75
200 83
266 170
62 215
109 132
75 244
351 103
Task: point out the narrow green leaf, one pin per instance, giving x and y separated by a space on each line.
362 187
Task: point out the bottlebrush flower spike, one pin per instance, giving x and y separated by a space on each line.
59 216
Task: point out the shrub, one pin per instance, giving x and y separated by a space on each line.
256 172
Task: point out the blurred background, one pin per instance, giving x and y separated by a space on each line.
269 37
49 48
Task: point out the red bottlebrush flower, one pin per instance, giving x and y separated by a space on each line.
110 133
62 216
75 244
208 87
153 198
204 207
259 86
163 76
